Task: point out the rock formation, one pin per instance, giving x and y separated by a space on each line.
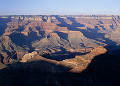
56 34
77 64
28 56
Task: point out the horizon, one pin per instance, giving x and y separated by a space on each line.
63 15
60 7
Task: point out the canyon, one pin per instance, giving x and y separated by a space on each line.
61 47
53 34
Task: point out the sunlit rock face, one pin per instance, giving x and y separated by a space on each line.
76 65
81 62
65 36
29 56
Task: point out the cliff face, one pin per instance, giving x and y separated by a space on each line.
77 64
56 34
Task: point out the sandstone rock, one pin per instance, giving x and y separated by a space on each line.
20 54
99 50
25 33
29 56
6 57
80 63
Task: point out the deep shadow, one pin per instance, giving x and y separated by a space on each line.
62 22
74 23
114 50
45 20
20 28
102 27
100 22
26 41
1 59
104 70
112 26
32 36
36 73
72 27
62 35
21 40
62 55
3 24
11 54
42 33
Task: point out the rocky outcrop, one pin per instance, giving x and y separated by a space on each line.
80 63
77 64
29 56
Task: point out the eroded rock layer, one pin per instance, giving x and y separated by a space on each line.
55 35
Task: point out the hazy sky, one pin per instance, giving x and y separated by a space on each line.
53 7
